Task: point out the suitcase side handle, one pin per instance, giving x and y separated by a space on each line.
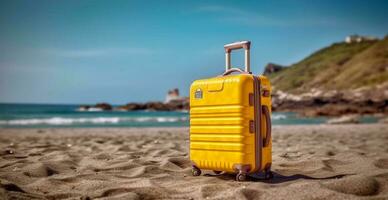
268 126
238 45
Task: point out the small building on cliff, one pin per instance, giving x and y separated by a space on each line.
173 96
359 38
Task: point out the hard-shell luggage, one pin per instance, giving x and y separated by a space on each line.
230 124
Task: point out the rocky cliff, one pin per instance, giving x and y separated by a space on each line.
340 79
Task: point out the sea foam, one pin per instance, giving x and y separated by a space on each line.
95 120
278 116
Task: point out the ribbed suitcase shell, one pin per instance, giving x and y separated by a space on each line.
221 116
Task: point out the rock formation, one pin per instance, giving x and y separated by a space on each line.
97 107
272 68
173 102
103 106
333 103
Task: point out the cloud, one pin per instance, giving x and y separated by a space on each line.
248 18
96 52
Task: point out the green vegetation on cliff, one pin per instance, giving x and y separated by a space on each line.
340 66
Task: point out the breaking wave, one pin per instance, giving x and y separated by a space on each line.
96 120
103 120
278 116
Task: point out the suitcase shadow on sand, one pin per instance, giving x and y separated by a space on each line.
277 178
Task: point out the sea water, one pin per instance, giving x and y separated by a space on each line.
48 115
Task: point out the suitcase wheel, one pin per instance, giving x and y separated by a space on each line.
195 171
268 174
241 177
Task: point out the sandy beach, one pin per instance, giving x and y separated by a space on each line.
309 162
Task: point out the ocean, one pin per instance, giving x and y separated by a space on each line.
48 115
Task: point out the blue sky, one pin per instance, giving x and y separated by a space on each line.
134 51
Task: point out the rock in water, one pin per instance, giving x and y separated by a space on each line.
132 106
160 106
103 106
97 107
83 108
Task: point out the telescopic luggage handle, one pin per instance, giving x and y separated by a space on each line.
238 45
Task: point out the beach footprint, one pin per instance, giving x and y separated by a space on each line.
356 185
39 170
214 191
175 163
382 163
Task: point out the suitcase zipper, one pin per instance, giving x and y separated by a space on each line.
257 125
251 99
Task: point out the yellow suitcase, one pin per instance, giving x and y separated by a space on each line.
230 124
